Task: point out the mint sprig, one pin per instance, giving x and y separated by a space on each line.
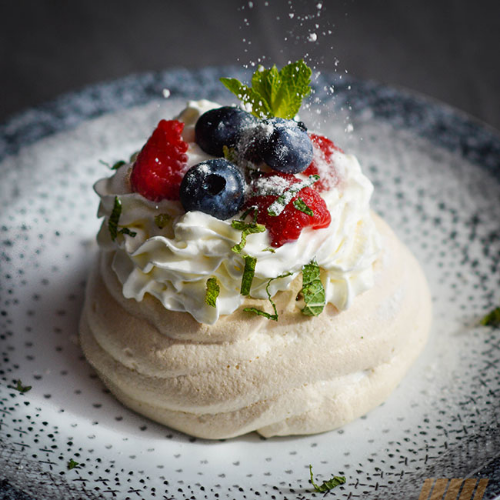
114 219
248 274
312 290
246 228
254 310
278 205
327 485
213 290
492 318
274 93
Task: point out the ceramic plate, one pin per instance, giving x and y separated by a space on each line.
437 182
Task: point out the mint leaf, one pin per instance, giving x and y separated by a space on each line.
72 464
312 290
278 205
259 312
213 290
492 318
246 228
327 485
249 97
22 388
118 164
283 90
274 93
248 274
114 218
162 220
301 205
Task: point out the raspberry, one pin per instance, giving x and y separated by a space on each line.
322 163
162 163
288 225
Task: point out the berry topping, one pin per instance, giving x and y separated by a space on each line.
215 187
323 163
160 165
288 225
285 146
221 127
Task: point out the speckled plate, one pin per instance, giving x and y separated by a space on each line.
437 179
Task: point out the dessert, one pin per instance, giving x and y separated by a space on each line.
242 283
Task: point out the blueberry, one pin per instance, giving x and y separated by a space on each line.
221 127
215 187
285 146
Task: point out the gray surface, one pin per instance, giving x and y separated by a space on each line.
446 49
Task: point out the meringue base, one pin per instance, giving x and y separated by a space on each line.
300 375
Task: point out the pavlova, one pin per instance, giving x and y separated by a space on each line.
242 281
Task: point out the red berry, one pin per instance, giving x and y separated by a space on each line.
322 163
162 163
288 225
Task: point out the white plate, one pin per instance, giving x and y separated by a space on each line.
436 175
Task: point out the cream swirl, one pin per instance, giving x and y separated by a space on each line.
174 262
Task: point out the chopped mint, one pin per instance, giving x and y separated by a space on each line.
72 464
274 93
22 388
312 290
162 220
248 274
492 318
301 205
114 218
277 206
213 290
248 211
126 230
259 312
327 485
118 164
246 228
230 154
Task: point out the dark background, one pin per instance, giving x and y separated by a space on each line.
446 49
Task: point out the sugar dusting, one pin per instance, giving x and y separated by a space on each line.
309 34
273 185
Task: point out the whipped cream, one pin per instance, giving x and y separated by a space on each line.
173 263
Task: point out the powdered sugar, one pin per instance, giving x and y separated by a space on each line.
272 185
